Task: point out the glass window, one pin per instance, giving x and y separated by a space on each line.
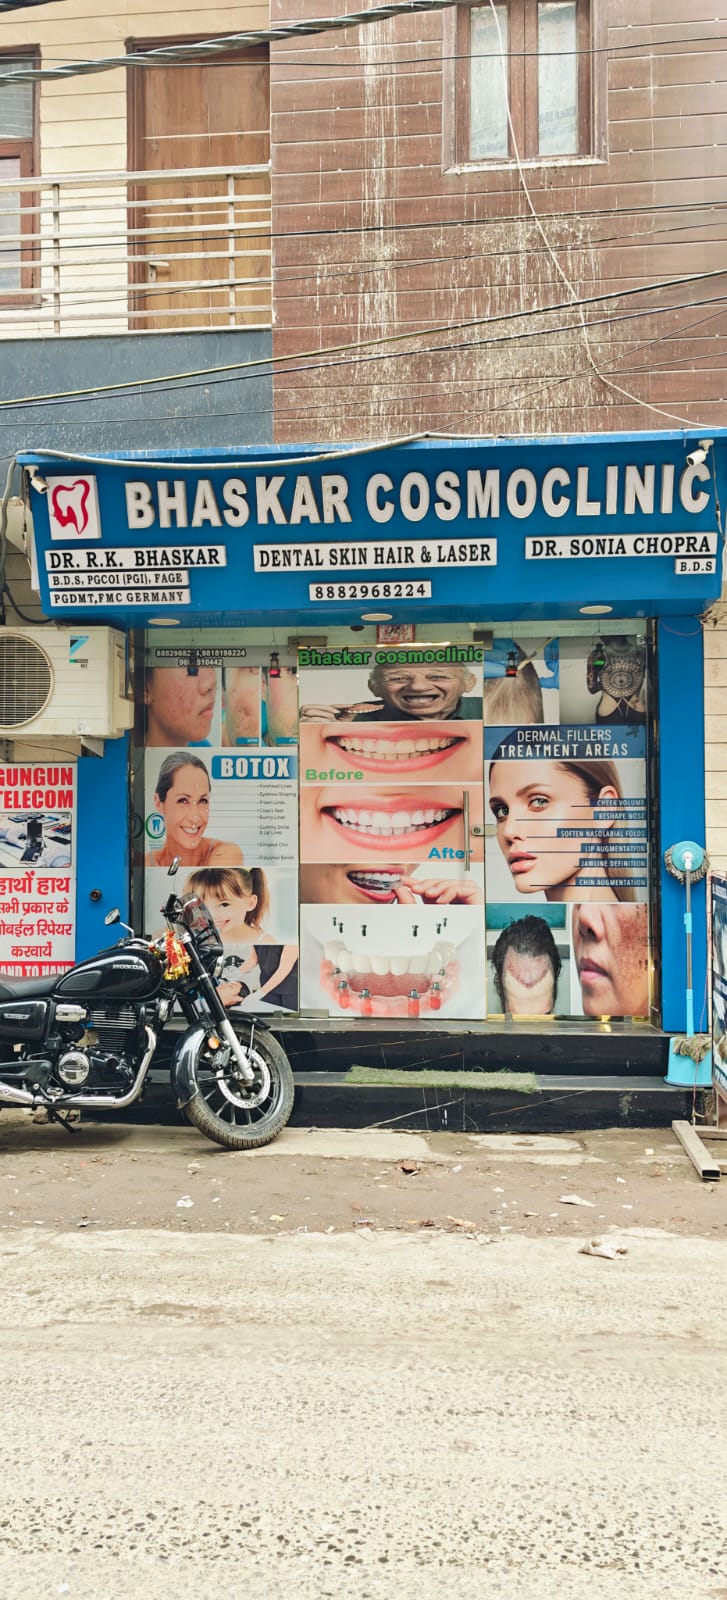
17 103
533 61
489 133
557 78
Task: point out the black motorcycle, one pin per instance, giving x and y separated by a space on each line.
84 1040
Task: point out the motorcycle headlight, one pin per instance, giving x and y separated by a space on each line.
219 964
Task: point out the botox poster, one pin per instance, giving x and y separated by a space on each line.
37 869
566 851
391 832
221 797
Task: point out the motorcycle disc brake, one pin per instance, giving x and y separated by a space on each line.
245 1096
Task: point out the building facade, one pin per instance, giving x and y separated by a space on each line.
414 338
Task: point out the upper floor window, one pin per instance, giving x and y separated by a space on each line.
17 161
533 57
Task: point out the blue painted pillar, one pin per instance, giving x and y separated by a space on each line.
102 843
681 811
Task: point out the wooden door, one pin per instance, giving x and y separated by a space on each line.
201 245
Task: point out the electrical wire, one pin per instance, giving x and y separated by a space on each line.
319 356
179 55
576 301
286 275
420 392
23 5
301 410
36 622
223 44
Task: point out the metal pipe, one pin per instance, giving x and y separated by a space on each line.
466 825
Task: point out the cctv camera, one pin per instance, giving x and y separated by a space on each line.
37 482
696 457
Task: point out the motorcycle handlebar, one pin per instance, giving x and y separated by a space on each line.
172 910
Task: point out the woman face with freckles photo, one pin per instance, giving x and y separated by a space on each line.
343 823
611 951
390 752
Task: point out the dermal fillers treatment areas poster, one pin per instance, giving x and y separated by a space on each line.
391 832
566 855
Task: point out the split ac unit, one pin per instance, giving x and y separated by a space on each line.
63 682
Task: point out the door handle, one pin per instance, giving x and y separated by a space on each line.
466 821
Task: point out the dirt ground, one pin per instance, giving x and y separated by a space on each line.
111 1176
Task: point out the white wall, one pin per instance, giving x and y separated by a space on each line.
83 120
83 130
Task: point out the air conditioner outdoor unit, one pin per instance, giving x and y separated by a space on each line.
62 681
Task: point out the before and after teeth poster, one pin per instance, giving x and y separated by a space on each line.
392 833
453 830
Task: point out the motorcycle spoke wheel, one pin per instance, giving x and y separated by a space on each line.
236 1115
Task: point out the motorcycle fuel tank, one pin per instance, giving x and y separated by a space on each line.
128 971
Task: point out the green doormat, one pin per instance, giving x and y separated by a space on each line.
430 1078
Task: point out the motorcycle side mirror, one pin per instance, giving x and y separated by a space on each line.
112 917
173 870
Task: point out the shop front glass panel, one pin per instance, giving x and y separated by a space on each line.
451 829
218 720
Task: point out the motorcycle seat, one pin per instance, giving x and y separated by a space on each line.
27 988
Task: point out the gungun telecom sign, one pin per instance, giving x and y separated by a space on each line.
37 869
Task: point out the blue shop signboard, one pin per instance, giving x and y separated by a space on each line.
498 528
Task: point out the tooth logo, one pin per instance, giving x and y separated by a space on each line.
73 508
70 505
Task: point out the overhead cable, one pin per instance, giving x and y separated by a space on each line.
202 49
364 361
242 41
23 5
319 356
222 44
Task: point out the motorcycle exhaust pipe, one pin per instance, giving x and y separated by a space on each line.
11 1095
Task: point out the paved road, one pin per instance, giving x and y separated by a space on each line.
362 1414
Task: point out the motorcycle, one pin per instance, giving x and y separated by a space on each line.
84 1039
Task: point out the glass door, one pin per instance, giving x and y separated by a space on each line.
392 831
566 854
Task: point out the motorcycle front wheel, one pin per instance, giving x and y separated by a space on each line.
237 1115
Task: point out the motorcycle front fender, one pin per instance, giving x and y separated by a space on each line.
186 1056
184 1064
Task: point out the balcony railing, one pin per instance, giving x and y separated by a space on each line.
139 252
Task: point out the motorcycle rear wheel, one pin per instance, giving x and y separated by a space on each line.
233 1114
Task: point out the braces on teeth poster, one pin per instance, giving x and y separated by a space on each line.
391 832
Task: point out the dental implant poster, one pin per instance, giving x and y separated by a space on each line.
566 852
221 798
37 869
391 831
